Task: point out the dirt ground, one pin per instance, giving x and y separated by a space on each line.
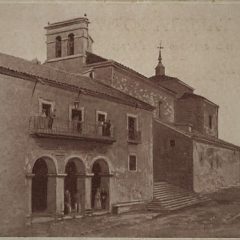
211 220
218 218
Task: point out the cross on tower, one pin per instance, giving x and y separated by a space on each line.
160 48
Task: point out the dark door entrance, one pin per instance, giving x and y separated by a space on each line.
96 180
70 183
39 186
77 119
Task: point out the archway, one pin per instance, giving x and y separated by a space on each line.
75 185
100 180
43 188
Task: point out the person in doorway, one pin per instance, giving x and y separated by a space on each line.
51 117
97 200
100 128
77 202
103 198
67 202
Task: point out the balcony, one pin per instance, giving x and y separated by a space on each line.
58 128
134 137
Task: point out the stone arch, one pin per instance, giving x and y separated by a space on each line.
43 190
80 164
104 160
50 160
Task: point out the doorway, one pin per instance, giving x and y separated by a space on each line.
39 186
70 182
100 185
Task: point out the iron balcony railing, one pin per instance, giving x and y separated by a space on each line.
134 136
44 126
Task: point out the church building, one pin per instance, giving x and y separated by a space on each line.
80 126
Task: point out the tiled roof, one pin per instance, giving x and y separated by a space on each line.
163 79
100 61
199 136
193 95
19 65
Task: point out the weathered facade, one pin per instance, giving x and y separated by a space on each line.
56 134
39 156
215 166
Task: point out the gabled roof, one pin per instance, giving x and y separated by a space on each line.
107 62
193 95
21 67
197 136
164 79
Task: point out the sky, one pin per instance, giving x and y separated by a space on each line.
201 42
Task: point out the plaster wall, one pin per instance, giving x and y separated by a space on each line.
214 167
135 87
19 150
190 111
172 163
210 110
15 97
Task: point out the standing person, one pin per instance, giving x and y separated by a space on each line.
108 128
97 200
51 116
43 119
104 131
100 128
77 202
103 198
67 202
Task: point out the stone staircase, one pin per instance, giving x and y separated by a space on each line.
167 197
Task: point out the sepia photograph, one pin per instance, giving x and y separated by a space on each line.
120 119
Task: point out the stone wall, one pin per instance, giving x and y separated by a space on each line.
141 89
215 167
172 162
72 64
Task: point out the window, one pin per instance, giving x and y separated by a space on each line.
58 46
76 119
172 143
132 127
210 121
101 116
70 44
159 109
132 163
45 107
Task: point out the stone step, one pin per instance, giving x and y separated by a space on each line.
172 195
172 206
169 197
175 200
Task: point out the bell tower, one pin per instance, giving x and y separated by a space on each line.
67 44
